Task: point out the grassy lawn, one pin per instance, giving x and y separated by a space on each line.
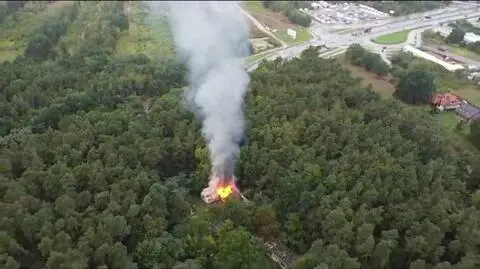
471 93
302 36
393 38
277 21
342 30
450 121
457 133
147 33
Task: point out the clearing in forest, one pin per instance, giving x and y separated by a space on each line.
17 27
382 86
148 32
277 23
87 22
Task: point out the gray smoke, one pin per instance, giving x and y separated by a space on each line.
213 38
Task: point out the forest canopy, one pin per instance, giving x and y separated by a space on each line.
101 167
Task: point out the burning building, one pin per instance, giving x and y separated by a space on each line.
219 188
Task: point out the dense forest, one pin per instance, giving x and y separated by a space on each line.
101 167
373 62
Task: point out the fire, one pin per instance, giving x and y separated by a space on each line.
224 192
219 189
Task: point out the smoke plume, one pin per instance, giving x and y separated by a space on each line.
213 38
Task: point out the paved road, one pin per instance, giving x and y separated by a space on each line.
345 39
439 12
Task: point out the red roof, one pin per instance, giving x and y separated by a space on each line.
445 99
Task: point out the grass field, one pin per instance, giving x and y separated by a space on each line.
393 38
380 85
302 36
457 132
455 49
470 93
277 22
148 33
17 27
435 40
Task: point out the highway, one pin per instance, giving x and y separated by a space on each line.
438 12
341 40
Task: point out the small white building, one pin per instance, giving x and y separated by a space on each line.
472 67
315 5
443 31
292 33
471 38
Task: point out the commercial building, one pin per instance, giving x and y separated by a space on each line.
471 38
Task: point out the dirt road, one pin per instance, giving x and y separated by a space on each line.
261 27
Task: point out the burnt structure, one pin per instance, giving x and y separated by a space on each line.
280 254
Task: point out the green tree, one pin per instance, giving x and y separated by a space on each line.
416 87
247 253
474 135
456 36
355 53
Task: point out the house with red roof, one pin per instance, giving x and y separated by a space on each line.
446 101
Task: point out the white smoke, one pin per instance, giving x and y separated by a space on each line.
213 38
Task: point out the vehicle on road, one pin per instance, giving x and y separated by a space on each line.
428 17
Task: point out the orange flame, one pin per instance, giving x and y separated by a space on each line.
224 192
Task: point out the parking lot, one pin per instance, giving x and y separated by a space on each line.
344 13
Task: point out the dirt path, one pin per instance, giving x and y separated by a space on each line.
261 27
